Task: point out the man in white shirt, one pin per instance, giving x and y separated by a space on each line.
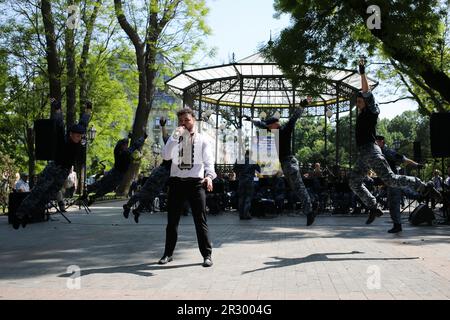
71 183
22 184
191 172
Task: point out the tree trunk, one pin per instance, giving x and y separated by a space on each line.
53 65
432 76
83 84
139 124
140 120
31 156
146 62
71 72
143 110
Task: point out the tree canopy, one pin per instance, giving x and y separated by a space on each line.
413 37
74 50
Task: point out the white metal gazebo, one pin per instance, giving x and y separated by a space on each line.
255 84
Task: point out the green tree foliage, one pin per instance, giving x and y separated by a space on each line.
413 37
111 93
8 172
106 75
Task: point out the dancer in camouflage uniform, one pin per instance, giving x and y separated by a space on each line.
289 164
153 185
394 194
54 175
151 188
371 157
113 178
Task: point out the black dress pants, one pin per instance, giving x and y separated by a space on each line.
191 190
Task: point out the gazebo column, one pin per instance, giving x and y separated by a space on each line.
325 133
241 88
293 131
240 141
337 125
253 117
351 133
200 96
217 132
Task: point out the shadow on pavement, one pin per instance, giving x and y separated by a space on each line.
317 257
139 269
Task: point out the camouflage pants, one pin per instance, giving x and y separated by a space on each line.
152 186
50 182
110 181
394 200
293 176
371 157
245 194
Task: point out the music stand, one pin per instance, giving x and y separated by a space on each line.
53 205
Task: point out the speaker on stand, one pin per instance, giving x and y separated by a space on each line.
47 138
439 126
422 214
15 200
439 142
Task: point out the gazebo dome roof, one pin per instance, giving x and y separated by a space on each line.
263 84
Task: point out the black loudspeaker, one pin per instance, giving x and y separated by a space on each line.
262 207
439 133
417 151
15 199
422 214
47 137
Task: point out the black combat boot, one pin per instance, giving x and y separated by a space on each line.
373 213
396 229
126 210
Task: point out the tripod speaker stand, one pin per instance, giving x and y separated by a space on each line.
82 202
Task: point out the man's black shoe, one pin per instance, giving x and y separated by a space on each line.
245 218
126 211
207 262
165 259
373 214
310 218
396 229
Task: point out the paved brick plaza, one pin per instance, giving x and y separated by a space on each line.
280 258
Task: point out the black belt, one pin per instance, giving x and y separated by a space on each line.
189 179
